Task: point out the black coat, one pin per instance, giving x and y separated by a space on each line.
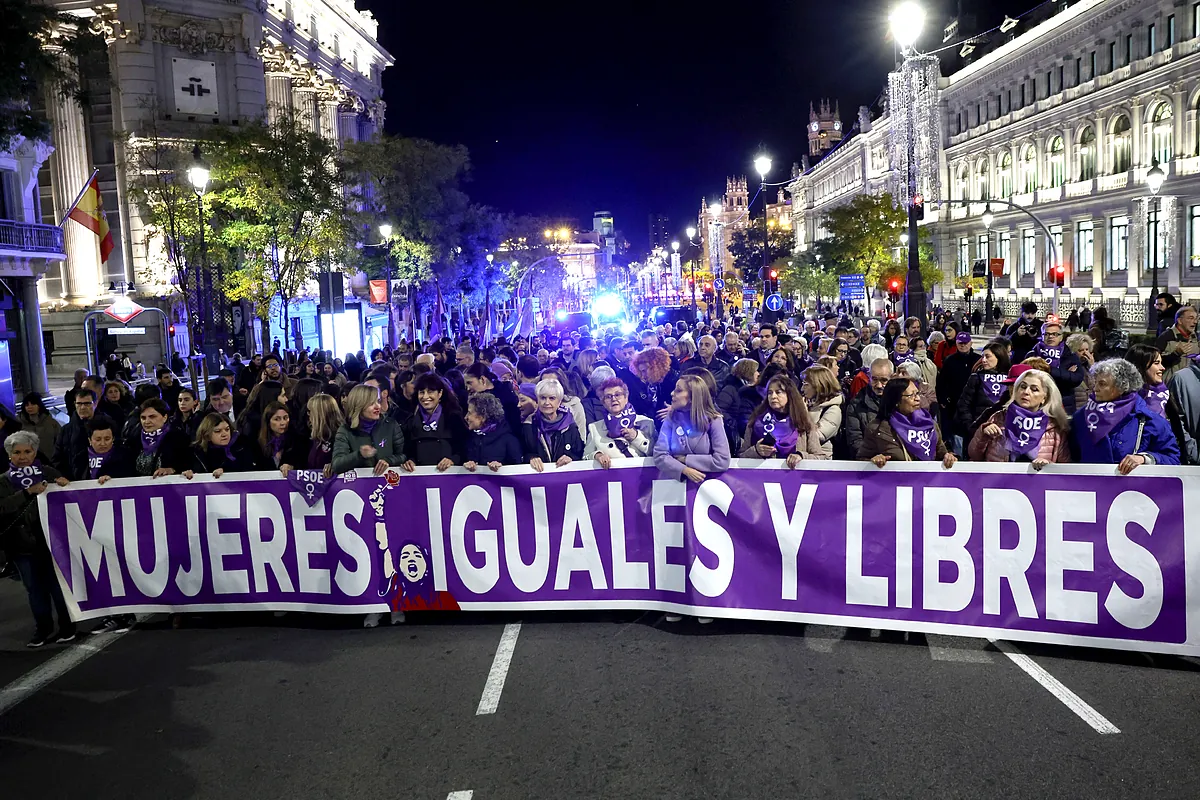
507 395
500 445
426 448
736 402
952 379
295 451
118 465
647 400
562 443
70 450
973 404
245 457
175 452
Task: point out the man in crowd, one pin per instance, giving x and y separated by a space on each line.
219 400
71 445
951 380
1066 370
864 408
767 342
1178 342
706 356
168 388
1166 306
464 356
1023 333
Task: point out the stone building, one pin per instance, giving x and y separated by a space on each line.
180 67
718 220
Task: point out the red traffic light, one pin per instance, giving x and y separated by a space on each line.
1060 269
774 274
171 330
895 284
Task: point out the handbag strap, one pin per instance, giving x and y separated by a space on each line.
1137 445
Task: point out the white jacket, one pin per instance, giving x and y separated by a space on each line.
598 440
827 417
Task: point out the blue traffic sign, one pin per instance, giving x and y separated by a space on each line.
853 287
719 284
773 302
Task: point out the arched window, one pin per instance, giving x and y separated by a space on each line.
1162 133
984 193
1005 176
1058 172
1087 154
960 184
1029 169
1122 145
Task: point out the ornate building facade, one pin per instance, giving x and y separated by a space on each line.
180 67
718 220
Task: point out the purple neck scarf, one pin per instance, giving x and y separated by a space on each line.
621 422
227 449
151 441
558 426
780 427
430 421
900 358
917 433
486 429
275 448
96 461
1102 418
1156 398
1051 354
367 426
24 477
993 385
1023 430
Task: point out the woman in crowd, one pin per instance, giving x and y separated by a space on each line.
117 402
36 419
159 449
570 402
901 351
22 539
920 352
621 432
107 457
783 358
1116 426
737 398
330 374
685 351
280 445
593 406
947 346
297 402
219 449
550 433
324 420
491 440
262 395
1031 426
1159 399
781 427
1081 345
186 417
862 379
651 382
435 435
365 440
903 430
890 331
986 387
479 378
824 399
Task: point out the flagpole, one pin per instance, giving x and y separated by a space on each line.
79 196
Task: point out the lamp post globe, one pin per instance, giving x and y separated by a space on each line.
1155 177
904 240
198 173
714 210
691 232
987 217
385 231
1154 180
762 165
906 22
675 246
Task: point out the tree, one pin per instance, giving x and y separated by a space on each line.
809 278
864 237
746 245
281 202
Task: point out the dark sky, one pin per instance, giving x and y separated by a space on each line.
632 107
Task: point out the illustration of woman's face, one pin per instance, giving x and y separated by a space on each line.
412 563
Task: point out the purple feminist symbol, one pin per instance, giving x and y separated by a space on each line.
310 483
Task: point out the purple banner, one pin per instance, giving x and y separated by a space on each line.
1070 555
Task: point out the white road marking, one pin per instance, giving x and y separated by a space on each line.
962 649
463 795
33 681
1051 684
823 638
495 682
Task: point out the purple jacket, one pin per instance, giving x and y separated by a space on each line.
707 451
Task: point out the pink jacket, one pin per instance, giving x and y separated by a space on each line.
1054 446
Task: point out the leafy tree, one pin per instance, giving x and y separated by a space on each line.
864 237
809 278
746 245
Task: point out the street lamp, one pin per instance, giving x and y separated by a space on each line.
987 219
905 22
385 232
762 165
198 175
904 240
1154 180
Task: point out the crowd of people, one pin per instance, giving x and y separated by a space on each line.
688 397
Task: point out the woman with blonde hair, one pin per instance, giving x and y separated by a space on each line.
367 439
1030 426
324 420
824 399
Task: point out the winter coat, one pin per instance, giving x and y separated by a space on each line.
118 465
71 450
827 419
929 370
245 457
599 441
1069 373
1185 393
175 452
972 404
736 401
1173 360
426 448
294 453
46 428
593 408
707 451
808 446
648 400
552 446
387 438
880 439
574 405
500 444
1157 444
19 518
1054 447
718 368
858 416
952 379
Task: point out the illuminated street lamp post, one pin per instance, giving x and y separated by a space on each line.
1154 180
987 218
198 175
385 231
762 165
906 21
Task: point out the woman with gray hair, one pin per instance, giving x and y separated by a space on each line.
550 433
593 406
1082 346
1116 426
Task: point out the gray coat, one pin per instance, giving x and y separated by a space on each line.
387 439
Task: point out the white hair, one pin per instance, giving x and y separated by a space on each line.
872 353
873 324
910 369
600 375
1125 376
550 388
21 437
424 358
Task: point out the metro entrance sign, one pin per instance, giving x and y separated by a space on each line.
123 309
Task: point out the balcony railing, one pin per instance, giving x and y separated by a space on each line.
30 237
1108 183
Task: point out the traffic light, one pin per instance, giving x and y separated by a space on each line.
894 290
1058 276
918 207
171 330
969 292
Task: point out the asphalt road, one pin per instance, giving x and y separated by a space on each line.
590 706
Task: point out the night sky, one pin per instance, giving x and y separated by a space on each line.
631 107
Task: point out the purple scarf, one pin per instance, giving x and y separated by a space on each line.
310 483
24 477
917 433
486 429
1102 418
780 427
227 449
320 454
430 421
151 441
1156 398
993 385
275 449
96 461
545 426
1051 354
900 358
621 422
1023 430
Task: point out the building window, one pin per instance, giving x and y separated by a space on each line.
1162 133
1128 48
1159 254
1171 31
1058 173
983 246
1048 92
1151 41
1122 145
978 114
964 257
1022 94
1085 246
1194 234
1029 170
1005 175
1118 244
1056 236
1087 154
1006 250
1092 66
1078 71
1028 251
1060 78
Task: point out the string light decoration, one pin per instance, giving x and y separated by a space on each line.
1166 231
915 127
716 249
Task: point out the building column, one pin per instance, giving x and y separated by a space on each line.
35 351
347 125
329 121
1099 237
1179 122
1136 132
279 96
69 173
1101 146
308 110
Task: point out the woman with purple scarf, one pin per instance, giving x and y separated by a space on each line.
622 432
781 427
107 459
367 440
1030 427
159 449
279 446
985 389
435 434
550 433
1117 426
1159 398
220 449
903 430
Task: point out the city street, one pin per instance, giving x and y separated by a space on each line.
563 705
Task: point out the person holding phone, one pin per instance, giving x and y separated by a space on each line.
781 427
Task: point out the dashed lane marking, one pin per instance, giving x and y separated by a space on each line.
499 672
1051 684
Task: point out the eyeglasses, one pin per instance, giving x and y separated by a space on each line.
614 396
910 396
1055 334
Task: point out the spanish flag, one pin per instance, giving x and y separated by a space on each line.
89 212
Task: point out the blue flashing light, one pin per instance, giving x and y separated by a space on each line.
608 305
561 314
